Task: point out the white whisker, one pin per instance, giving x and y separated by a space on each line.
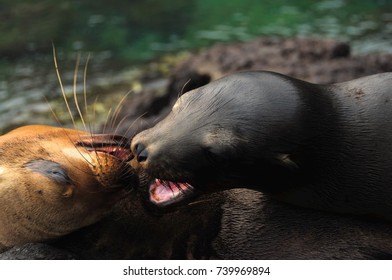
61 85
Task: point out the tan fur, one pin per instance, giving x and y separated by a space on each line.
34 207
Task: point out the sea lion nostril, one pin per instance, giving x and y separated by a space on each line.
141 152
142 156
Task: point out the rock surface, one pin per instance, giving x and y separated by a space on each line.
36 251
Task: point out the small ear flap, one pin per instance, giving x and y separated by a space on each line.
220 141
285 161
68 192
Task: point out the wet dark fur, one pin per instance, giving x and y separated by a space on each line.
234 224
323 147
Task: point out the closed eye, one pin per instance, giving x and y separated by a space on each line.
50 169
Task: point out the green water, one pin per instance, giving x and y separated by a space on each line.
367 24
143 29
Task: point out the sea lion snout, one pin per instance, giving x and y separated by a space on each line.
146 148
156 149
152 156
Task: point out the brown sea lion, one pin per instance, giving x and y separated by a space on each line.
324 147
56 180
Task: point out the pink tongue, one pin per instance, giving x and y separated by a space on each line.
164 193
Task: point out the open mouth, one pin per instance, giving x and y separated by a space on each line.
115 151
114 145
164 193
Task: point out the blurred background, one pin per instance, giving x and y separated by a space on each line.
122 37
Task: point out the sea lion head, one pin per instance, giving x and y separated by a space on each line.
56 180
235 131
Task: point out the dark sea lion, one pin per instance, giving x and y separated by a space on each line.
254 226
319 146
55 180
232 224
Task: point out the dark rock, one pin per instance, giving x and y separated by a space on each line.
313 60
36 251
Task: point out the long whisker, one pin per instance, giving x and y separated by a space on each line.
98 162
85 88
77 105
94 117
106 120
81 154
53 113
74 93
85 107
67 104
132 124
119 125
76 147
117 110
61 85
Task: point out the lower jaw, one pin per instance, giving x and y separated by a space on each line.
164 193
